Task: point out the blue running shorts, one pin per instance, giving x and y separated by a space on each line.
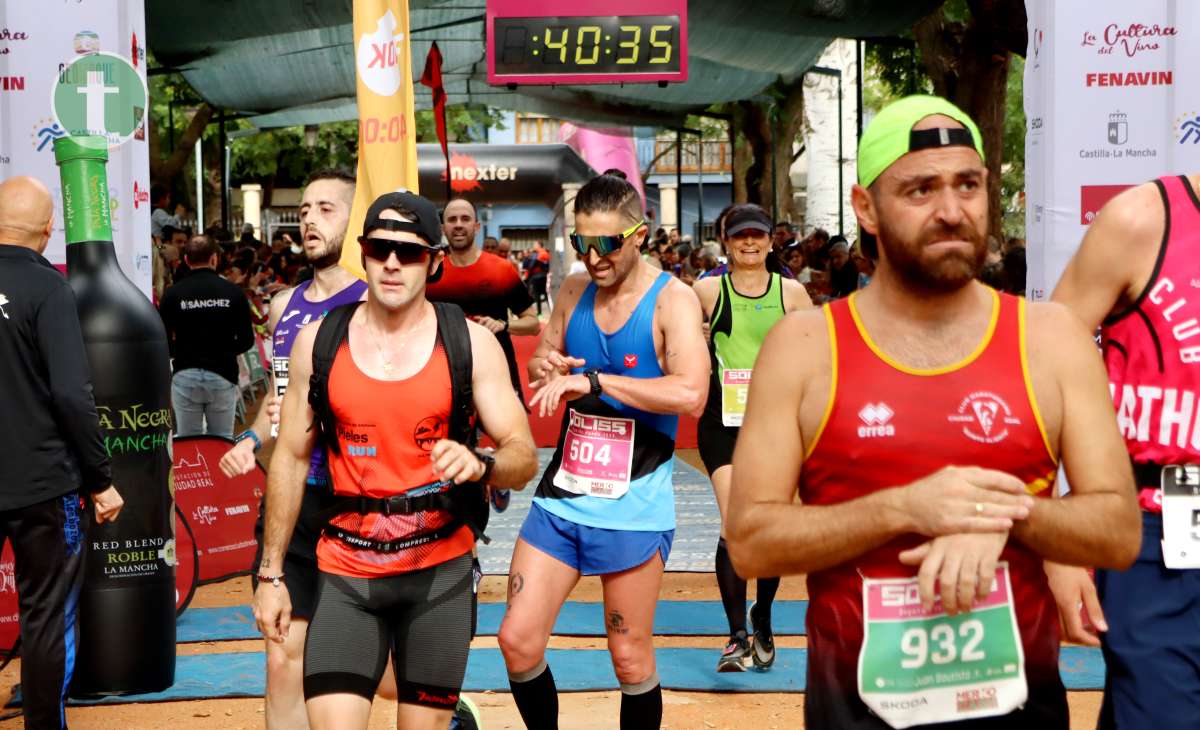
592 550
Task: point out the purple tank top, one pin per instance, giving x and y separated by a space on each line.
299 312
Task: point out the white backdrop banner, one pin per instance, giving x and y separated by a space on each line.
37 41
1112 100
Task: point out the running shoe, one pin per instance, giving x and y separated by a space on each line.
466 715
733 659
764 639
500 499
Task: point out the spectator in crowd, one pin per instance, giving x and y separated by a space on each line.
792 257
785 235
673 237
491 245
208 325
160 198
865 265
174 239
248 238
816 253
1014 271
995 252
537 272
843 274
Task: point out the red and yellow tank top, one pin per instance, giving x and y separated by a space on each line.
888 425
1152 349
386 430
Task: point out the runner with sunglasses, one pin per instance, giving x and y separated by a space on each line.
395 568
740 306
624 352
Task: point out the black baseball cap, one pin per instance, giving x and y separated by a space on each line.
746 217
426 223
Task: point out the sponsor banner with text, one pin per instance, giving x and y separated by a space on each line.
221 511
39 42
1111 101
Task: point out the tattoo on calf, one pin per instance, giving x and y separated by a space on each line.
616 623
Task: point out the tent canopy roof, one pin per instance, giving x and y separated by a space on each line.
290 62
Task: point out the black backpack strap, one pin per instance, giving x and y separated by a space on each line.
331 333
472 505
456 340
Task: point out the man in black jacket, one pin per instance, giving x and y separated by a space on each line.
208 326
53 448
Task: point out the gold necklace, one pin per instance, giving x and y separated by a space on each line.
379 338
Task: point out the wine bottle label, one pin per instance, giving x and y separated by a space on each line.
86 212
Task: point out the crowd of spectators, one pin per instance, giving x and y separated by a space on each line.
829 267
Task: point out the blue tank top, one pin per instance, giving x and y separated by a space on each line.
649 503
299 312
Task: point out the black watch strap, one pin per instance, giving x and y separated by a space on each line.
593 376
489 463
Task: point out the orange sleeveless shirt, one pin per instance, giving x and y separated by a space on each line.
386 430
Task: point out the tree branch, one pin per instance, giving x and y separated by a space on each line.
163 171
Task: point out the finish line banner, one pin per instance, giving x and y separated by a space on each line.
38 43
1112 100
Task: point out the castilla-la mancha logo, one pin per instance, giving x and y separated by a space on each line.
985 417
379 56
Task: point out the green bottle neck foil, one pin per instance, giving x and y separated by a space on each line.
81 166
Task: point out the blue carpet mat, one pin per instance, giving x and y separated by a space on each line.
575 670
697 523
673 618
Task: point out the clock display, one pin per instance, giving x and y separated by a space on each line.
587 45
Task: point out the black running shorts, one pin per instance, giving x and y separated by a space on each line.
716 442
422 617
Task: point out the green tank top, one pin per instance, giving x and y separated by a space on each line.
738 326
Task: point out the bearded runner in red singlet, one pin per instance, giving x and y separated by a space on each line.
929 414
1137 277
394 560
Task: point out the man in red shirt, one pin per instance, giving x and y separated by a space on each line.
484 285
928 601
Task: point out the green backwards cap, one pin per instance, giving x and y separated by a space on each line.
890 134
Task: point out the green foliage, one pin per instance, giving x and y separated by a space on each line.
1012 179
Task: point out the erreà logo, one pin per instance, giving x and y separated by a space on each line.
466 175
379 57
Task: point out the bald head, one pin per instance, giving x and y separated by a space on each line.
26 212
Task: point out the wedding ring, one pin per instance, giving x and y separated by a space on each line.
979 508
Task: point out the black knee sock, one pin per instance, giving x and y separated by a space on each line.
765 596
537 700
733 590
642 711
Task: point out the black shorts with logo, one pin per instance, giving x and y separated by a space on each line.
424 618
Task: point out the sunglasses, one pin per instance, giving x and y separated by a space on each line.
603 245
407 253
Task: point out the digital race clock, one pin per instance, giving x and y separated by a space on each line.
586 41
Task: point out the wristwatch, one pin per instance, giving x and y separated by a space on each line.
249 434
489 463
593 376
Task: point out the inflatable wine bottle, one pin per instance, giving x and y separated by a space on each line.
127 606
